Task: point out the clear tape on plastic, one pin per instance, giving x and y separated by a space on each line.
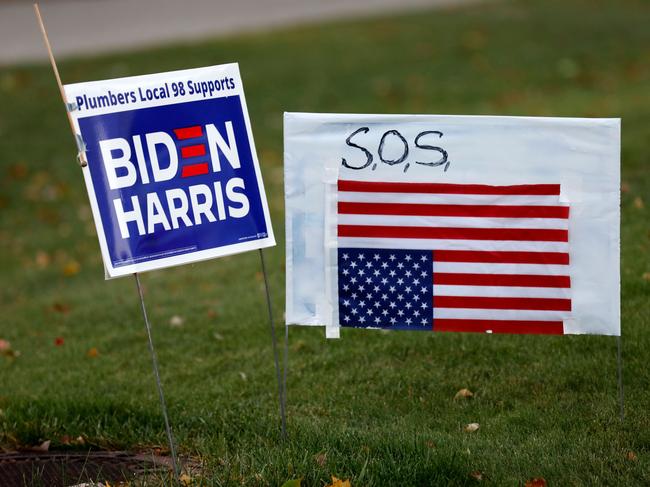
81 151
330 310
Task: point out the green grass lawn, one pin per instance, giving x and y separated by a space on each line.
373 407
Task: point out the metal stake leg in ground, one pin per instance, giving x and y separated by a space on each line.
285 365
621 397
156 374
275 348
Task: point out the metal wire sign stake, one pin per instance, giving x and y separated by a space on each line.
619 363
156 373
281 383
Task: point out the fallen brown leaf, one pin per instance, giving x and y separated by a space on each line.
476 475
646 276
45 446
536 482
339 483
7 350
42 259
62 308
71 268
321 459
463 394
631 456
638 203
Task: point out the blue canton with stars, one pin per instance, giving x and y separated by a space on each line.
385 288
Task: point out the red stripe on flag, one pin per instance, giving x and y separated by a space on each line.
443 188
189 132
480 302
523 234
195 170
518 280
193 151
501 257
499 326
499 211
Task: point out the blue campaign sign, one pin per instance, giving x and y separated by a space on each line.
172 171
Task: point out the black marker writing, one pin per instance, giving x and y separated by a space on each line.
349 142
381 149
395 134
443 160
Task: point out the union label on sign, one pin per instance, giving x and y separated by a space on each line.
172 173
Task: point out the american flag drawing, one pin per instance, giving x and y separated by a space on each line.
453 257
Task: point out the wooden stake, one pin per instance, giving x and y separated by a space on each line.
81 155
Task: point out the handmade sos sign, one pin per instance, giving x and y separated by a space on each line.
172 172
453 223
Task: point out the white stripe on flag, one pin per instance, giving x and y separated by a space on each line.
448 199
497 314
428 244
483 268
452 221
502 291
